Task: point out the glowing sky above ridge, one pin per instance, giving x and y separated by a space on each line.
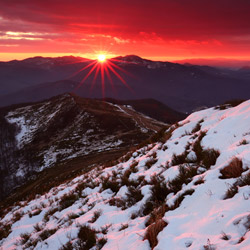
161 29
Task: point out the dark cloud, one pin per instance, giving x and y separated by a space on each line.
200 21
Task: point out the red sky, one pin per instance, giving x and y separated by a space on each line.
159 29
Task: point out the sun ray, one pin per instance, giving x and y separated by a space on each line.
110 80
80 70
94 79
123 70
103 81
85 78
121 79
104 67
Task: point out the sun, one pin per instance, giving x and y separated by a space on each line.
101 58
105 67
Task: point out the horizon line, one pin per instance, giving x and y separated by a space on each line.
23 56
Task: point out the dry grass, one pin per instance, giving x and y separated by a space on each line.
96 215
5 230
233 169
157 214
231 192
123 227
150 162
152 232
86 237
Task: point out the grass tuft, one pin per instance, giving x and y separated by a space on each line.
96 215
86 237
47 233
67 200
233 170
152 232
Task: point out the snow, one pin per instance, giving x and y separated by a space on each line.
200 220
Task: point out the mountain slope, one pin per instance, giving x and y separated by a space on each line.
190 190
152 108
181 87
53 132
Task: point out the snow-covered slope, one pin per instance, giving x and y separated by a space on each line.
190 190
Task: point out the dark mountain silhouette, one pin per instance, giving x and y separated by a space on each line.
182 87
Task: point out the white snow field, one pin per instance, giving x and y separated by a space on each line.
189 192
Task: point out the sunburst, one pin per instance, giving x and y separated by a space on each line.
103 67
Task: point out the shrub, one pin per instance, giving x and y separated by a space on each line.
197 148
149 206
67 246
206 157
186 173
241 239
123 227
160 136
133 196
47 233
243 142
134 215
37 228
152 232
87 237
80 187
105 228
49 213
180 198
159 188
179 159
224 236
197 127
157 214
209 246
72 216
159 192
67 200
17 216
223 106
31 243
233 169
118 202
5 230
244 180
150 162
110 184
209 157
101 242
96 215
133 166
125 177
24 238
231 192
199 181
37 212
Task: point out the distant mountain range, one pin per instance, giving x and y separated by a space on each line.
217 62
182 87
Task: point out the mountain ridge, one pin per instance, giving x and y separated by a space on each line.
52 132
181 87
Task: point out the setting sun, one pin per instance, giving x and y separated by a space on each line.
101 58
